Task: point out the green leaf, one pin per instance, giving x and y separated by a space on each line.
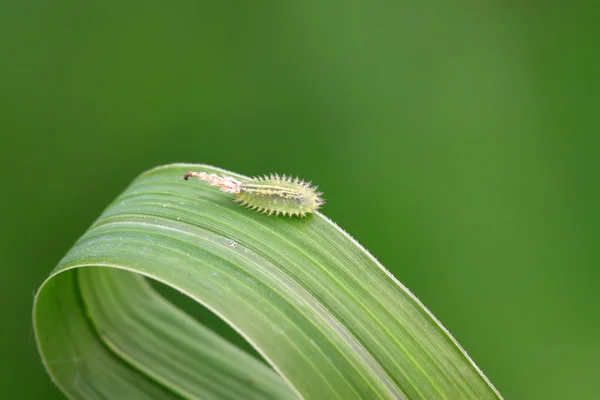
328 318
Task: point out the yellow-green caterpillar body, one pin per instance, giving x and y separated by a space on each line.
269 194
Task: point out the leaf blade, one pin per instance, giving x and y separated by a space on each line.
310 299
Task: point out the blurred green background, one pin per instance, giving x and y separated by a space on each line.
457 142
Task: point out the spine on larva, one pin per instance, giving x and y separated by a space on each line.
269 194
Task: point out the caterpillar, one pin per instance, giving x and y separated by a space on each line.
272 194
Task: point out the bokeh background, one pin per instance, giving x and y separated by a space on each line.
458 142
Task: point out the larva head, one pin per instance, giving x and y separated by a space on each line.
280 195
226 183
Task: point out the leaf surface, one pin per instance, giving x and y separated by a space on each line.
322 312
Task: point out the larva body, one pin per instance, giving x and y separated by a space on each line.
269 194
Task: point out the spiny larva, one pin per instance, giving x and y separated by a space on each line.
269 194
